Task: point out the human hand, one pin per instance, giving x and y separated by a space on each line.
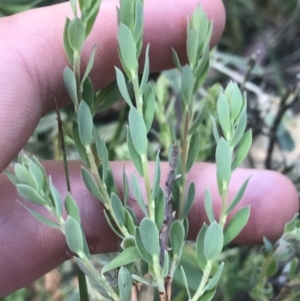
32 61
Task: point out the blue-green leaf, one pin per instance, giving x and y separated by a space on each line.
223 160
118 209
127 49
138 131
29 194
200 248
177 236
189 200
85 124
76 34
208 204
237 197
73 234
224 115
150 236
136 188
194 149
125 284
70 84
123 86
126 257
236 224
213 241
187 85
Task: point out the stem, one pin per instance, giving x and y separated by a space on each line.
151 204
185 148
160 281
200 291
223 216
139 106
83 290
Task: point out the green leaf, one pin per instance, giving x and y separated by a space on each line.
199 119
127 49
175 59
126 12
135 157
70 84
187 85
192 46
213 282
129 223
89 65
72 208
177 236
144 281
208 204
202 70
91 185
208 295
85 124
41 218
126 257
194 149
56 198
146 71
243 149
189 200
138 27
123 86
128 242
157 174
111 183
146 256
23 175
102 153
118 209
73 234
74 7
91 273
215 129
125 284
200 248
136 188
68 49
148 106
223 160
236 224
235 98
11 177
29 194
45 179
112 224
150 236
76 34
91 17
80 148
125 188
138 131
223 110
88 93
290 226
85 5
272 268
237 197
159 208
240 129
213 241
186 284
37 174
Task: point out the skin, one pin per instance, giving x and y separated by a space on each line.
32 61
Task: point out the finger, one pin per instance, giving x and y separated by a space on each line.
33 59
33 249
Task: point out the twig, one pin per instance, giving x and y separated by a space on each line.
164 234
288 100
62 144
286 290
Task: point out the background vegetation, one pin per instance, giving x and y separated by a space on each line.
261 50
